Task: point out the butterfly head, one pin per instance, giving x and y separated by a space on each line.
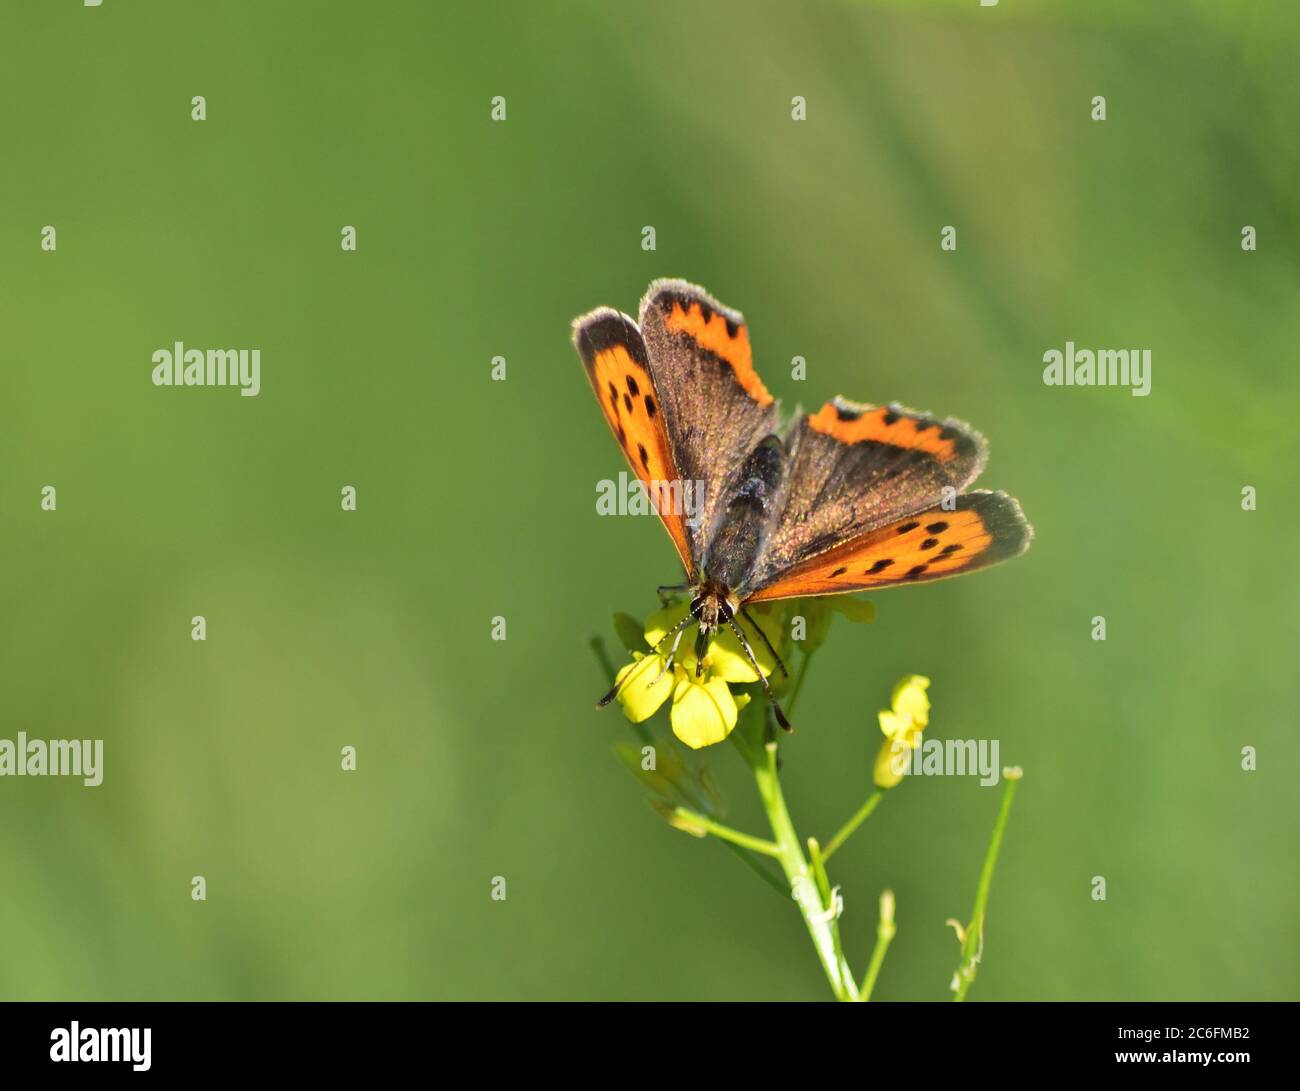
713 606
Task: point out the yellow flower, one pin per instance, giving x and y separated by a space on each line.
645 688
704 708
902 726
910 699
725 659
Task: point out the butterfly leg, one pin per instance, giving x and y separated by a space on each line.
767 689
675 631
665 592
672 654
745 614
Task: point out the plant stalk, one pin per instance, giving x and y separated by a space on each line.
820 921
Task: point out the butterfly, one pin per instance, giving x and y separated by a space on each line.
853 497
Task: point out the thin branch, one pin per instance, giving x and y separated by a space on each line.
830 897
846 831
885 932
972 936
689 818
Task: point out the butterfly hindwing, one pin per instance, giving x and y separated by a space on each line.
983 528
716 408
617 364
854 468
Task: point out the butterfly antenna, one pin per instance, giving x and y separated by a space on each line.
776 706
754 625
618 686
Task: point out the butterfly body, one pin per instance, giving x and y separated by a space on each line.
737 541
853 497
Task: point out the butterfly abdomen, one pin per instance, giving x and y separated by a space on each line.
746 515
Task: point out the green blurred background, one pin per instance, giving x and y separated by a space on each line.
476 239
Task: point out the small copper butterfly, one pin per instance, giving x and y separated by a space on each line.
853 497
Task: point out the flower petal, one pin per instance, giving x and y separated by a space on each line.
639 697
891 763
703 712
892 725
727 659
910 700
659 624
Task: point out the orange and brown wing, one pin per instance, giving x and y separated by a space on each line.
716 408
614 356
983 529
949 442
855 468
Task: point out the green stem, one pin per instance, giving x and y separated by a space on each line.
829 899
819 870
744 840
885 932
820 922
972 940
846 831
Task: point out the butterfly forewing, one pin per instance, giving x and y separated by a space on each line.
716 407
616 362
